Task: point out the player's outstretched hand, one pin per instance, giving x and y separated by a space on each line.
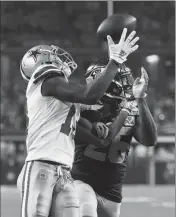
120 51
101 129
140 85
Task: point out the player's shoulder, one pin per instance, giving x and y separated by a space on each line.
43 73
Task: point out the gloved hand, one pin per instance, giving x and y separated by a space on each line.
119 52
140 85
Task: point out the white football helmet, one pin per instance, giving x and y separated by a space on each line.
46 54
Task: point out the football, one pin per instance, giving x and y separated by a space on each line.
114 24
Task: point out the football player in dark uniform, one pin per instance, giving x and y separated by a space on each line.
100 172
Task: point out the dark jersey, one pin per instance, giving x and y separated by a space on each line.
105 168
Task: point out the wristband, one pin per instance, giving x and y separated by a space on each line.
114 61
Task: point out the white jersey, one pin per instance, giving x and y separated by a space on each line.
51 126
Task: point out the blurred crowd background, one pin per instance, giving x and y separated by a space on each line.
72 26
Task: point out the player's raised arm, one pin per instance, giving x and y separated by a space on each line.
118 123
63 90
145 130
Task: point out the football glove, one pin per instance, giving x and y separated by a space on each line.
140 85
119 52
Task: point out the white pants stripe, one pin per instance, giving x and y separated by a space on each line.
25 190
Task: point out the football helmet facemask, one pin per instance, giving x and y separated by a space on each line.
46 54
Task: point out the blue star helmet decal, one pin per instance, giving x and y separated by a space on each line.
34 54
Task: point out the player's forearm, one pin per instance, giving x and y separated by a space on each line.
95 90
145 130
114 129
85 136
117 124
89 94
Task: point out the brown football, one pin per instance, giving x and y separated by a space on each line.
114 24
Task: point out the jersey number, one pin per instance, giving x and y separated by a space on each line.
116 154
66 127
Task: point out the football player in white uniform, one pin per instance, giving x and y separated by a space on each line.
53 112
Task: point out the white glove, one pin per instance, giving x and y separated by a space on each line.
120 51
140 85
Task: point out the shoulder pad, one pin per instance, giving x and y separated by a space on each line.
45 71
